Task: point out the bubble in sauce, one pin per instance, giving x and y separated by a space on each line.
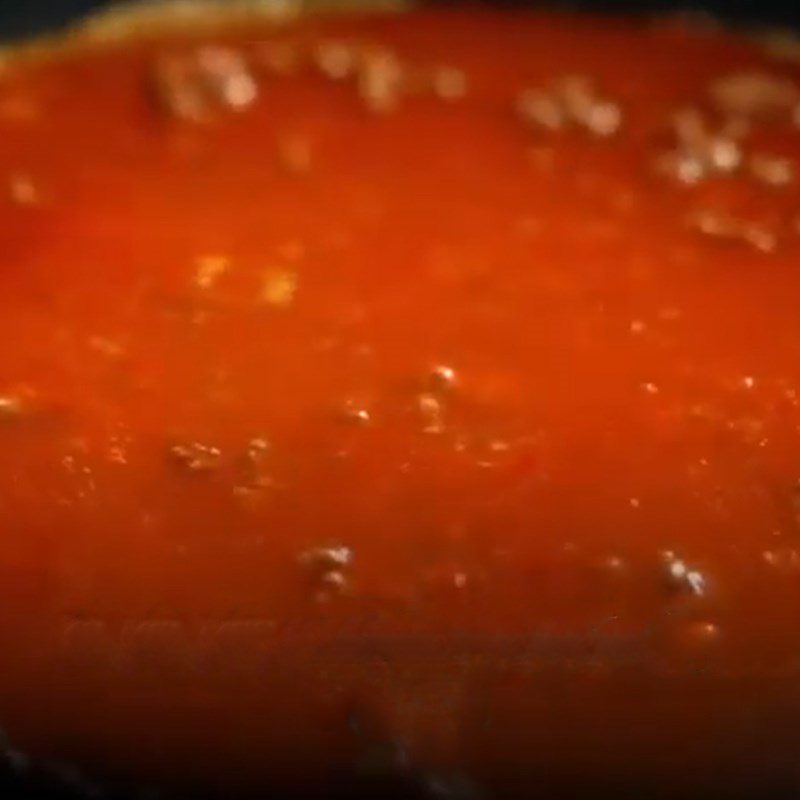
443 377
253 474
328 569
722 226
193 87
106 346
379 80
785 559
460 580
257 447
209 269
573 100
355 412
327 558
637 326
603 119
541 109
334 580
699 634
681 575
614 565
22 190
771 170
279 287
430 411
336 60
196 457
11 407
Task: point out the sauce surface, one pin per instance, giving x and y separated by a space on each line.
436 370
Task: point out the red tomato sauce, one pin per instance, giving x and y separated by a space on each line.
427 378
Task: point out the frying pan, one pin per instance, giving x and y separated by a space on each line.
22 777
19 18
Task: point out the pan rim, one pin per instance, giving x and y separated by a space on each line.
143 20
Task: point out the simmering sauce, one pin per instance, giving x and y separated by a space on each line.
404 396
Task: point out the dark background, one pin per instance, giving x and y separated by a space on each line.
23 17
